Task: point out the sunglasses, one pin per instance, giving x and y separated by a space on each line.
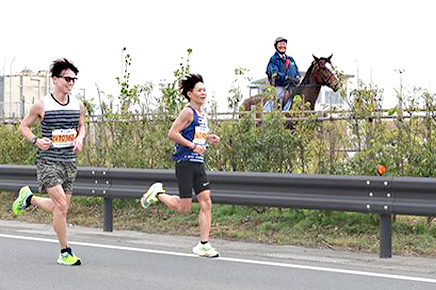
69 79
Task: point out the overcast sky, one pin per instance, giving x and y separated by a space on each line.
372 37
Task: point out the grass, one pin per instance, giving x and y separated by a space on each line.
412 236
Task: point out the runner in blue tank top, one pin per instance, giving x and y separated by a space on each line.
190 134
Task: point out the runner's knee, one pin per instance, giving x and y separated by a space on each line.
184 209
204 200
184 206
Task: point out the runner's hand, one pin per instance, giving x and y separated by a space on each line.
212 138
78 142
200 149
43 143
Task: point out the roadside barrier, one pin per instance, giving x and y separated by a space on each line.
381 195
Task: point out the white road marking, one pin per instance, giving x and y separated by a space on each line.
235 260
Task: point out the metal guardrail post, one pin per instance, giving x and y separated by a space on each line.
107 214
385 236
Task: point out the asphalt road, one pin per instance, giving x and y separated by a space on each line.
133 260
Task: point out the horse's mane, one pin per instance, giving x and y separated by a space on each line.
305 80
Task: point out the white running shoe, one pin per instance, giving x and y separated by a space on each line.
205 250
150 196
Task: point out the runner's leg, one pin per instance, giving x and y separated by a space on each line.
205 214
61 203
181 205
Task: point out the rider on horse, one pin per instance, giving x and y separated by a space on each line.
282 73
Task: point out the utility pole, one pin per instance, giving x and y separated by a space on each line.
357 73
10 88
400 101
2 93
122 63
4 68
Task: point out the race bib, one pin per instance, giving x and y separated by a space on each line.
62 138
200 135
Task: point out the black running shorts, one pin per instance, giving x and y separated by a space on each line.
191 175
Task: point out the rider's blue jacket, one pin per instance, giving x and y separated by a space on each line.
282 71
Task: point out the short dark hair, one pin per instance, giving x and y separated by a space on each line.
188 82
61 64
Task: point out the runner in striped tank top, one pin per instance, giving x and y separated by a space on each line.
63 130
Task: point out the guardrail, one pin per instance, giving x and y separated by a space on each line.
365 194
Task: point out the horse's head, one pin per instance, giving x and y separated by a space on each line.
323 74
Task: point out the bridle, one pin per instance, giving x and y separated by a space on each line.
328 76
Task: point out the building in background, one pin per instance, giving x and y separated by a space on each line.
19 91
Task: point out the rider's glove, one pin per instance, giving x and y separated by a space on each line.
296 80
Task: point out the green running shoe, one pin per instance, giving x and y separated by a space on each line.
68 259
20 203
205 250
150 196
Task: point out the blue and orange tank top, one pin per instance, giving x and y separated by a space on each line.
196 132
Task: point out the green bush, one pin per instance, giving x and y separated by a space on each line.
134 135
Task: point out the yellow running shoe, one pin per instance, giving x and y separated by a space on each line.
68 259
20 203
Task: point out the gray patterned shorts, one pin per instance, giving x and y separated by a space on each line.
50 174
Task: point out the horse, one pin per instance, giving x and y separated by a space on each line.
316 76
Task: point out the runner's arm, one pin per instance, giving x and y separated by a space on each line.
35 112
78 142
183 120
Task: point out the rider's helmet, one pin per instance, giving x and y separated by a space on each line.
278 39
